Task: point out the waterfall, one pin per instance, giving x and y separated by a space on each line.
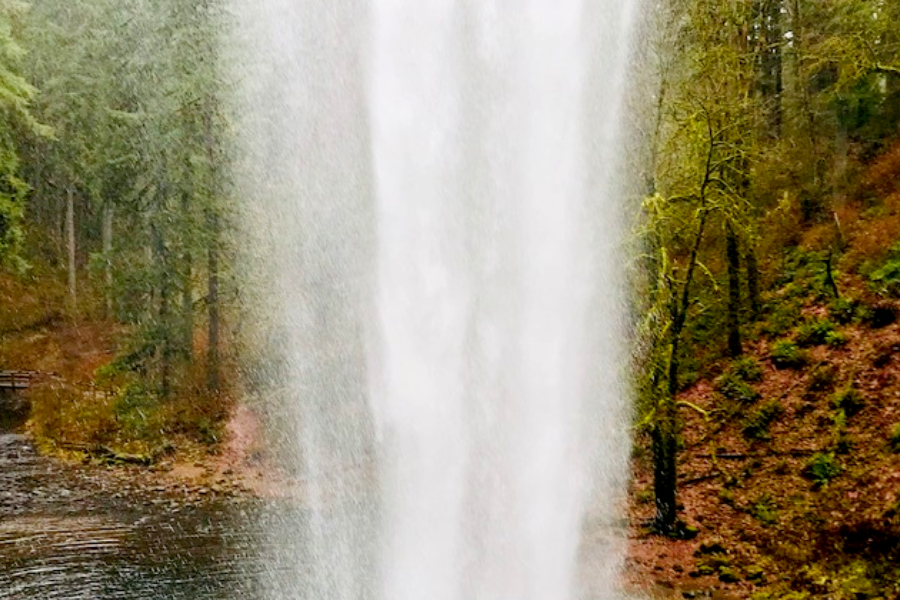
434 193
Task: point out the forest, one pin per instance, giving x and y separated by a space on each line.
765 271
113 211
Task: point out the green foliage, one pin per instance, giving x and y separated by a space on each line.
765 510
134 411
822 468
644 496
814 332
856 580
786 354
849 400
782 315
756 426
746 368
797 266
884 279
842 310
804 274
894 438
16 120
735 388
821 379
713 563
863 313
836 339
208 431
843 443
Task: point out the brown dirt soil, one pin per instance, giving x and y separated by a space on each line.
242 462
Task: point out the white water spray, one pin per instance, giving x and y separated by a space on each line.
439 184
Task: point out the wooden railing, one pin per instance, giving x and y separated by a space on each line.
16 380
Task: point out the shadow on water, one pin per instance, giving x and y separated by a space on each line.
13 411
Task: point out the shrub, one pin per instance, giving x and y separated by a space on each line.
848 400
135 411
781 317
814 332
821 379
842 310
822 468
711 564
746 369
726 496
894 438
843 443
878 315
734 388
836 339
798 265
787 355
863 314
795 290
765 510
885 278
757 424
644 496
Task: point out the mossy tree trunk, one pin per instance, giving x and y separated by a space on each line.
733 312
664 436
212 352
753 282
164 339
107 259
664 429
70 244
187 292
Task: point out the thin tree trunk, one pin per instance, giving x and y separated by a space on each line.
70 239
732 317
665 469
107 255
213 366
187 296
212 357
829 277
187 312
753 282
665 449
665 426
773 37
165 350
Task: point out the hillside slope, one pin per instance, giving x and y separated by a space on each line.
790 460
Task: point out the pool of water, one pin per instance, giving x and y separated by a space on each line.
77 533
83 533
196 554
